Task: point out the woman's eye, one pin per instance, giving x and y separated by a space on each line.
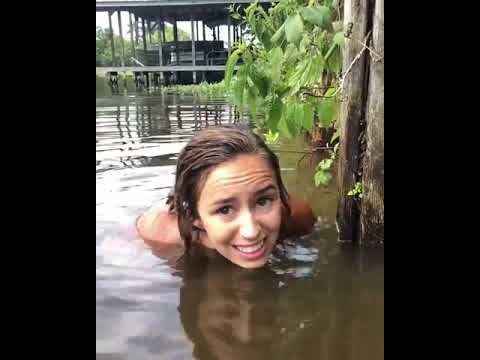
264 201
225 210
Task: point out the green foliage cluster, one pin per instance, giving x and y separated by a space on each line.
287 73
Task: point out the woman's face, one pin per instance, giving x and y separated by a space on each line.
239 210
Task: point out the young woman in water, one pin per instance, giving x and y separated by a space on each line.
229 198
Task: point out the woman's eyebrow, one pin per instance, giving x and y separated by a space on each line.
266 188
223 201
232 199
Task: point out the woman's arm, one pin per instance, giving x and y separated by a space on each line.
158 225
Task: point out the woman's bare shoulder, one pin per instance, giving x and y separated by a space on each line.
158 225
301 220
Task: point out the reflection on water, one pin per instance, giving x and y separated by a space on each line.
314 300
130 129
233 313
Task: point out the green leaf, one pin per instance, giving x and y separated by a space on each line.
322 178
281 90
320 15
328 164
327 109
279 35
252 101
337 25
259 29
334 63
325 113
266 37
283 128
260 81
333 55
238 89
294 29
299 117
312 15
307 117
290 54
290 118
326 17
304 45
330 91
339 39
271 138
358 187
335 148
247 57
275 57
325 164
230 67
330 51
275 115
295 80
313 74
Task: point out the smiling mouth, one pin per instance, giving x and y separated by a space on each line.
252 251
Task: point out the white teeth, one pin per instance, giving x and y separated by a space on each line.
250 249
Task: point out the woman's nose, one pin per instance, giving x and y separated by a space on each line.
249 227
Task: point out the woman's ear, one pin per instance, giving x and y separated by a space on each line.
201 235
197 223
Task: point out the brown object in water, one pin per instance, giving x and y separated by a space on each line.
301 220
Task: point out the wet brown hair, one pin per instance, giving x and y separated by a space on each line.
209 148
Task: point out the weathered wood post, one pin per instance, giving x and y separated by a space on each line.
111 37
136 29
122 54
352 113
194 73
131 35
163 31
229 23
175 39
149 30
144 37
372 210
196 30
160 50
362 219
205 49
177 53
